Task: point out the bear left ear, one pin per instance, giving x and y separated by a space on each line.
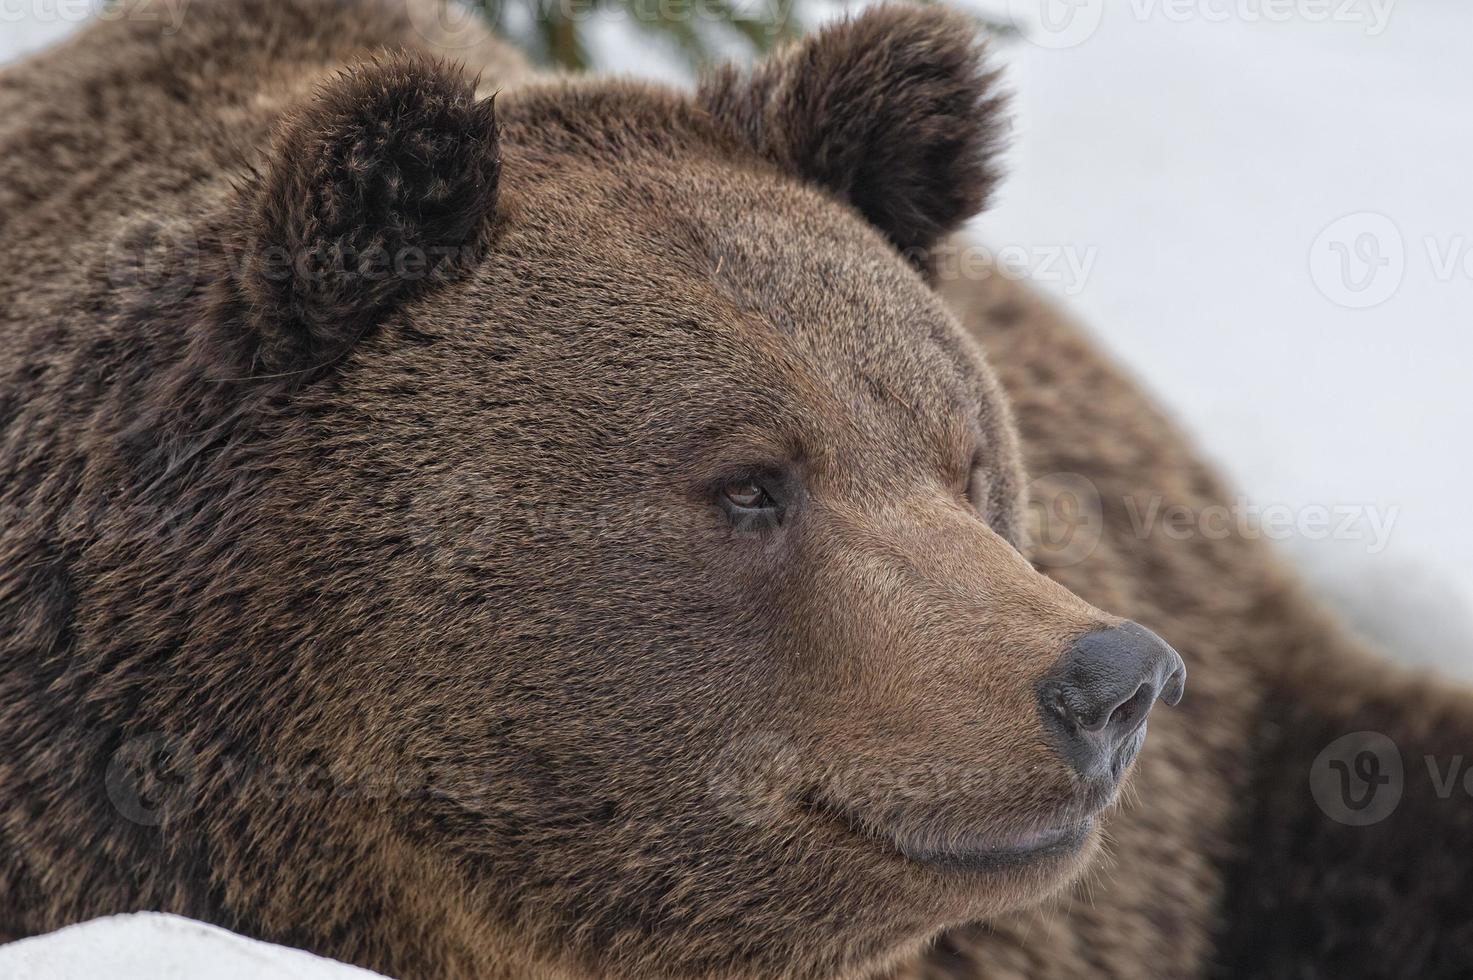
893 111
382 185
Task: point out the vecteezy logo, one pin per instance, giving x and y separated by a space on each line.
1357 780
158 257
454 24
1358 261
1066 519
1367 766
1056 23
752 777
150 779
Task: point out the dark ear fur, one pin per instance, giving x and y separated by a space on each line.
382 184
893 111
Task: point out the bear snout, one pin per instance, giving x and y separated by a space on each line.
1094 703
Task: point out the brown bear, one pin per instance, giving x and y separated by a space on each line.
473 524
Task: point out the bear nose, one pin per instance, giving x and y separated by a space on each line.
1096 699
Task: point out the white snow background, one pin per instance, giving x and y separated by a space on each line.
153 946
1264 209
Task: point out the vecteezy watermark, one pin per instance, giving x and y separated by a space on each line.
169 14
1360 260
156 255
1359 779
151 779
1245 518
163 258
754 777
1373 15
1067 517
1056 23
1067 23
458 23
757 778
160 778
770 12
1067 266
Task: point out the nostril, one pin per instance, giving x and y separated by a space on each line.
1128 715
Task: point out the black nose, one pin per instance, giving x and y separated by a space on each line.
1096 699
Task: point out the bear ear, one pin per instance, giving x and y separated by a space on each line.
380 186
893 111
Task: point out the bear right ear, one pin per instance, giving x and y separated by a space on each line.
383 184
893 111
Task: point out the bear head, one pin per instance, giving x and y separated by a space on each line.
614 471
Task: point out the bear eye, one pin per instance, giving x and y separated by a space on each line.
746 494
759 499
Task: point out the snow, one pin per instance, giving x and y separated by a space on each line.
27 27
153 946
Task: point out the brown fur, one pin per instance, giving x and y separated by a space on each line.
392 617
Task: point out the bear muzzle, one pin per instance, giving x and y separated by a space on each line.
1095 702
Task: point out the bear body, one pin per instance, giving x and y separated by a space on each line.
384 613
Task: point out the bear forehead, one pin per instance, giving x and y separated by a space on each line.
626 198
817 340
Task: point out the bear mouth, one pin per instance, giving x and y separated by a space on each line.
959 850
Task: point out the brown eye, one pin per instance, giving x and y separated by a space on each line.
759 500
746 495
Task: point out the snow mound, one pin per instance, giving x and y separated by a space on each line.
154 946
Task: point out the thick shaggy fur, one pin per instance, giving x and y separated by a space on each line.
376 601
396 158
912 153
